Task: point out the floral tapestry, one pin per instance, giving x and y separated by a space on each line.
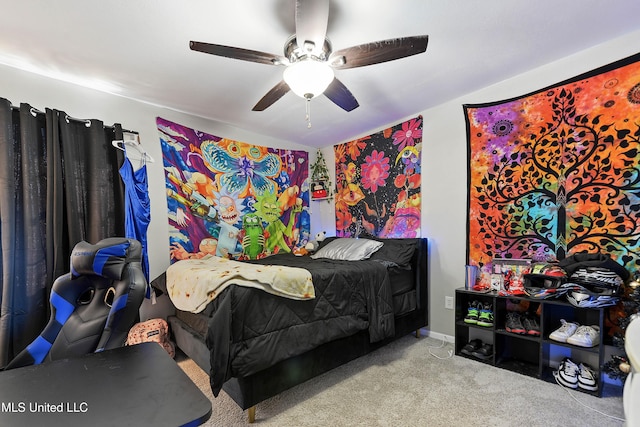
378 183
230 198
556 172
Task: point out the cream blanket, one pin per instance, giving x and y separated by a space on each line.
194 283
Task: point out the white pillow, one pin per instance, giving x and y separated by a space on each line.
348 249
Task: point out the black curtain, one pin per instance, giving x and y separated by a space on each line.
59 185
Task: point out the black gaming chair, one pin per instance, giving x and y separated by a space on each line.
92 307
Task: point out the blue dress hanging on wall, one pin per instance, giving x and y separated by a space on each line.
137 208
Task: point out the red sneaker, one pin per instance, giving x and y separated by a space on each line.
514 324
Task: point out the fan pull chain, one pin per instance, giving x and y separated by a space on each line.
308 111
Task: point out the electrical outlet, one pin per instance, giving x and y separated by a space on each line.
448 303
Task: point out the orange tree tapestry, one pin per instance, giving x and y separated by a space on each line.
378 183
556 172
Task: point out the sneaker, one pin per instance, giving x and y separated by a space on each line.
587 378
567 373
471 346
564 331
530 324
514 323
585 336
472 312
485 318
485 352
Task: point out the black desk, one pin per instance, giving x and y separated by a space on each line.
136 385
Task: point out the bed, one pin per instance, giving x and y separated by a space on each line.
256 344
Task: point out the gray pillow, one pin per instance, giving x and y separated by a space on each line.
348 249
399 251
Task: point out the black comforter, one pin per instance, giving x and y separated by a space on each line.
250 330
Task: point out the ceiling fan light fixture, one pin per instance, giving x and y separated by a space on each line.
308 78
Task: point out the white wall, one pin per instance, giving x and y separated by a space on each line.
323 212
444 158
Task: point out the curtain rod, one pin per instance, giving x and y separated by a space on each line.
87 122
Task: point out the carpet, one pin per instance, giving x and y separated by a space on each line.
414 382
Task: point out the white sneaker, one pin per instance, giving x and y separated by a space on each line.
587 378
567 373
585 336
564 332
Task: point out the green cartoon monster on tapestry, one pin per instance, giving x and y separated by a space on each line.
253 237
270 209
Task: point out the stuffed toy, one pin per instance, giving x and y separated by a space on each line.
312 246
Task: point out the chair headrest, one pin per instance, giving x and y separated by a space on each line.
107 258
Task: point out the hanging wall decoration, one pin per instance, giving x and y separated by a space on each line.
378 183
556 172
320 184
230 198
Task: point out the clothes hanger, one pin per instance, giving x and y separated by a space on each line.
121 144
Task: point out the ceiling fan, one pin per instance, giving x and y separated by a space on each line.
310 60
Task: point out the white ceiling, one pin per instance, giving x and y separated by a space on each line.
140 49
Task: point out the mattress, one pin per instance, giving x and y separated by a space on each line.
402 290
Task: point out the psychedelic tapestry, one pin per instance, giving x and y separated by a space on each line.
230 198
378 183
556 172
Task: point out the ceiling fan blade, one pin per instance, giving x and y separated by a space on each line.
338 93
312 17
238 53
277 92
378 52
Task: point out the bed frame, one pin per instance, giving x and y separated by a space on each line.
253 389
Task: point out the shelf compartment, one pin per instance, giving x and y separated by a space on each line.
518 353
518 366
553 352
462 304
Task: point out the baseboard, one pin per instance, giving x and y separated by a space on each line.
437 335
